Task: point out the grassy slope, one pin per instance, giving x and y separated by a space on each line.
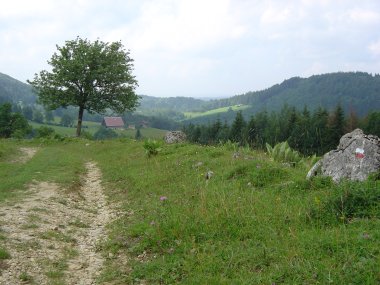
189 115
92 127
248 224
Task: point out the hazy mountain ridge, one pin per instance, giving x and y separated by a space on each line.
357 91
13 90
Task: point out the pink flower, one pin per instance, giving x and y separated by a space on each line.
163 198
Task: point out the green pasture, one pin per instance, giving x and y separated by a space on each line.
92 127
190 115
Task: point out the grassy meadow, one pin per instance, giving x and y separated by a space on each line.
254 221
189 115
92 127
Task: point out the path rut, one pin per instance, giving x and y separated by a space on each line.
53 234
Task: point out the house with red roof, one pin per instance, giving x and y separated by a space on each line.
113 122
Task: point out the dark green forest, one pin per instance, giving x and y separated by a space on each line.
357 90
309 132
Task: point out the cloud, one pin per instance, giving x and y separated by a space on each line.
363 16
199 46
178 26
374 48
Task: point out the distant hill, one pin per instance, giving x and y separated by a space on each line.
12 90
358 91
178 104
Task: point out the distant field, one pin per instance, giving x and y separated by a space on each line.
146 133
92 127
190 115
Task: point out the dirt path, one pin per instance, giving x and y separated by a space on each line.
52 235
26 154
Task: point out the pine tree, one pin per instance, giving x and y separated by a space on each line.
138 135
237 129
336 126
251 132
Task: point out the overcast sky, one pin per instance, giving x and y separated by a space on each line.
199 48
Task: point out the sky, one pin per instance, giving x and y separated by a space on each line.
199 48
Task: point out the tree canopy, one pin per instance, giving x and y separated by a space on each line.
93 76
12 124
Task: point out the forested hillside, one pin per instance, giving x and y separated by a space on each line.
12 90
359 91
179 104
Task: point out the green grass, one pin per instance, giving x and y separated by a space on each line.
189 115
152 133
255 221
61 163
92 127
4 254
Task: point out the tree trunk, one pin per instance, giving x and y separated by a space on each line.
80 116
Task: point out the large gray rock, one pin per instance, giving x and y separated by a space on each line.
175 137
357 156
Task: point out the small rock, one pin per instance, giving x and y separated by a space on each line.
209 174
366 236
175 137
198 164
236 155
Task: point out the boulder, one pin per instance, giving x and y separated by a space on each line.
175 137
357 156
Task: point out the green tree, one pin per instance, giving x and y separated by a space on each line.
251 132
93 76
373 124
238 128
67 120
49 116
27 111
138 135
12 124
38 116
5 120
336 126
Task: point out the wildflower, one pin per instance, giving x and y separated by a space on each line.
163 198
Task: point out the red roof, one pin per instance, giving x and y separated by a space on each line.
113 122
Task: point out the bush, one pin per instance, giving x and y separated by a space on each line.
282 152
44 132
349 200
103 133
86 135
152 147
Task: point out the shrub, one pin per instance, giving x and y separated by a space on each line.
44 132
349 200
86 135
103 133
152 147
282 152
229 145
